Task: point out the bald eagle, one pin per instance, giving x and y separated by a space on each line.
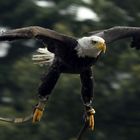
65 54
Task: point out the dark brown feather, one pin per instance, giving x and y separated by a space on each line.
121 32
34 32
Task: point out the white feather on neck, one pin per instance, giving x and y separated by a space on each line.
85 47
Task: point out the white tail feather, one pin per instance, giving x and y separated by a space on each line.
43 57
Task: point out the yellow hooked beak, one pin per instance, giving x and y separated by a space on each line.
102 46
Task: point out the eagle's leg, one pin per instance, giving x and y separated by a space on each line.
48 82
87 96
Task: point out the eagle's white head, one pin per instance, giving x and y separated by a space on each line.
90 46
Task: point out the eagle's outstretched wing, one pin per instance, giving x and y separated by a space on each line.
121 32
34 32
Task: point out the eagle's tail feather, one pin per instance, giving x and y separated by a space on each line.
43 57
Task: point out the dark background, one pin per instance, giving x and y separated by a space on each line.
117 73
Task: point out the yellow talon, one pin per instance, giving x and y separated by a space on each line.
38 112
90 118
91 122
37 115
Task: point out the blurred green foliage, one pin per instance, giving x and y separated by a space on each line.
117 74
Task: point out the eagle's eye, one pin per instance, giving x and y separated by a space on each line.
93 42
